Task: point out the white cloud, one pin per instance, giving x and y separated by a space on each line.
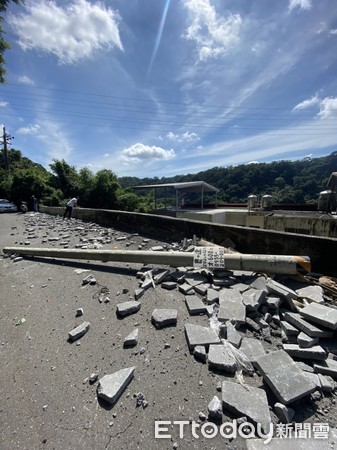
106 155
71 33
184 137
313 101
214 35
140 152
328 108
302 4
31 129
333 32
23 79
3 104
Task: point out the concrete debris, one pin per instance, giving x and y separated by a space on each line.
312 293
164 317
79 312
283 412
320 314
327 367
252 348
248 401
111 387
276 368
315 352
220 359
305 326
198 335
232 335
79 331
215 409
306 341
195 305
126 308
200 354
131 339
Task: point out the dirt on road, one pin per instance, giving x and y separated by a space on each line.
49 401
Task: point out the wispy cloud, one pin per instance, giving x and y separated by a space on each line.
333 32
302 4
31 129
183 137
213 35
141 152
313 101
3 104
23 79
71 33
328 108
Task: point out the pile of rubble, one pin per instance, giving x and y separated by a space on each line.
275 334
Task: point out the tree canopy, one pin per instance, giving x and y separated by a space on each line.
4 45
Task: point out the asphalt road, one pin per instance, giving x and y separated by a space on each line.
47 401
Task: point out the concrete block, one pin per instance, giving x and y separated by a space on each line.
126 308
230 295
321 314
327 383
233 336
280 290
253 299
295 351
198 335
79 331
131 339
169 285
212 296
247 401
215 409
195 279
185 288
220 359
164 317
308 328
284 413
284 378
289 329
252 348
306 341
201 289
231 307
195 305
313 293
200 354
110 387
327 367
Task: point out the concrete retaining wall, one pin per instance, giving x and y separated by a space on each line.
248 240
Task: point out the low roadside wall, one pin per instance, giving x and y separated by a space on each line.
321 250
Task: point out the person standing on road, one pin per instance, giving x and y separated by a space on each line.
69 208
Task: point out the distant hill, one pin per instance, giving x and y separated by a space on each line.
288 182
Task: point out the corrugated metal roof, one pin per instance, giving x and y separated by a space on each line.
192 186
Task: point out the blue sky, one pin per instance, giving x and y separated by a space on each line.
168 87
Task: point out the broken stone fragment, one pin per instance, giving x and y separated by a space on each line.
198 335
132 339
195 305
306 341
215 409
284 377
164 317
327 367
220 359
320 314
252 348
79 331
233 336
126 308
110 387
169 285
199 353
79 312
315 352
248 401
284 413
308 328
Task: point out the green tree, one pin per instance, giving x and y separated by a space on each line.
104 191
65 178
4 45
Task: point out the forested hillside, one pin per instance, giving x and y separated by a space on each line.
288 182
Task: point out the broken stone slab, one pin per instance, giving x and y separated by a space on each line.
327 383
215 409
186 288
212 296
126 308
252 325
233 336
248 401
305 326
259 282
284 377
160 276
164 317
327 367
201 289
110 387
195 279
199 353
273 303
195 305
314 378
279 289
139 293
253 299
231 307
315 352
220 359
312 293
79 331
230 295
169 285
241 287
252 348
131 339
306 341
289 329
198 335
284 413
321 314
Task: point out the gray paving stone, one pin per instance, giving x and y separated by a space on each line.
327 383
185 288
212 296
231 307
306 341
79 331
195 305
233 336
314 378
220 359
314 293
327 367
289 329
283 376
199 353
132 339
110 387
279 289
308 328
201 289
252 348
164 317
195 279
247 401
321 314
273 303
230 295
295 351
215 409
198 335
169 285
284 413
253 299
126 308
241 287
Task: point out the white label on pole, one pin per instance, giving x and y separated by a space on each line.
209 258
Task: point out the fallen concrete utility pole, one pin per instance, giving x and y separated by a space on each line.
202 257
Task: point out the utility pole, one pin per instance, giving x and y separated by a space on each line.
6 139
